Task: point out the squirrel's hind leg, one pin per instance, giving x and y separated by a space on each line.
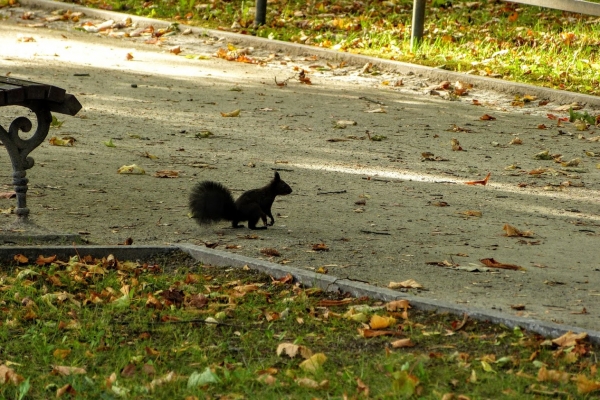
234 224
253 221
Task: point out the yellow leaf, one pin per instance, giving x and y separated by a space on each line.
379 322
65 141
131 169
487 367
61 353
585 385
313 363
234 113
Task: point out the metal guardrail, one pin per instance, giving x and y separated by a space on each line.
576 6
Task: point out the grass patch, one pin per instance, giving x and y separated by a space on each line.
173 329
491 38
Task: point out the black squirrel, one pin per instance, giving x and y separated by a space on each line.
211 202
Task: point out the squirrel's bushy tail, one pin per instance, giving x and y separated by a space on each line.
211 202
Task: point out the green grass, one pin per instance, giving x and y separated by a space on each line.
141 331
504 40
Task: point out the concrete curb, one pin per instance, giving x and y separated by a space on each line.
307 278
435 74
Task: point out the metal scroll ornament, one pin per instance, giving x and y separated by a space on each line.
19 149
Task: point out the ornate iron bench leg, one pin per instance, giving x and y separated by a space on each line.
19 149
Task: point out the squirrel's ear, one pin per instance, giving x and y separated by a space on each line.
277 178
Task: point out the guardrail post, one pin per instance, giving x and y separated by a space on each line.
260 17
418 21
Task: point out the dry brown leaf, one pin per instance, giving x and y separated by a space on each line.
455 145
66 389
491 263
511 231
482 182
409 283
371 333
41 260
21 259
472 213
400 343
333 303
292 350
166 173
552 375
569 339
9 375
585 385
270 252
487 117
320 247
8 195
397 305
66 371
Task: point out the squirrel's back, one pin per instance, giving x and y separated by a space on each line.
211 202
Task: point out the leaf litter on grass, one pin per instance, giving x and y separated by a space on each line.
172 328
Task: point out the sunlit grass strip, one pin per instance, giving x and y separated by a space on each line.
497 39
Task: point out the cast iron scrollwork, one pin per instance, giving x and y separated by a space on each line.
19 149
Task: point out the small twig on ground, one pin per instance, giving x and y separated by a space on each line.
333 192
375 232
381 103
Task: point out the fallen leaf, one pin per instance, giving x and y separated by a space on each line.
400 343
61 353
490 262
377 111
320 247
511 231
233 113
482 182
9 375
292 350
66 389
487 117
270 252
21 259
65 141
133 169
455 145
371 333
66 371
585 385
545 375
379 322
166 173
313 363
409 283
471 213
569 339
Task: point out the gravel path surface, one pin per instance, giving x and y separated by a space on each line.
388 210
